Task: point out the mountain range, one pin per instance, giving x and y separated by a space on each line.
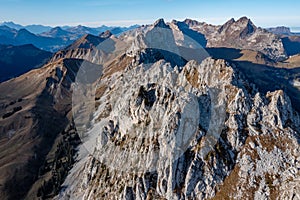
177 110
49 38
38 29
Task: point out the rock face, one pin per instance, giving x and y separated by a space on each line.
241 34
200 133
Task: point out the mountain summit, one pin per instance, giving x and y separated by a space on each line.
105 34
56 32
160 23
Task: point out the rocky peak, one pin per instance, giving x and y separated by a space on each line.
248 26
181 25
160 23
89 37
243 19
87 41
55 32
191 22
6 28
82 30
105 34
24 33
243 25
231 21
57 29
226 25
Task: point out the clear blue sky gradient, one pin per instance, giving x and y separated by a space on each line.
264 13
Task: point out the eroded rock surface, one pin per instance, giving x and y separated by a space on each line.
199 133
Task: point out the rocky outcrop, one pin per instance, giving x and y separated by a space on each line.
160 23
200 133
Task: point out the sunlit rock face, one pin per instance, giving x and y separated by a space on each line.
196 133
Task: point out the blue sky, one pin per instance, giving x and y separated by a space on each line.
126 12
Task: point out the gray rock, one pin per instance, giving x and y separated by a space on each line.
194 134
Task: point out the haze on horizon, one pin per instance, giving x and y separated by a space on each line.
124 13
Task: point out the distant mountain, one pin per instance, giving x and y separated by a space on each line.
280 30
6 35
82 30
65 27
103 28
23 36
96 49
284 31
96 31
12 25
17 60
79 30
87 41
34 28
118 30
295 29
50 44
105 34
58 32
74 33
50 38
